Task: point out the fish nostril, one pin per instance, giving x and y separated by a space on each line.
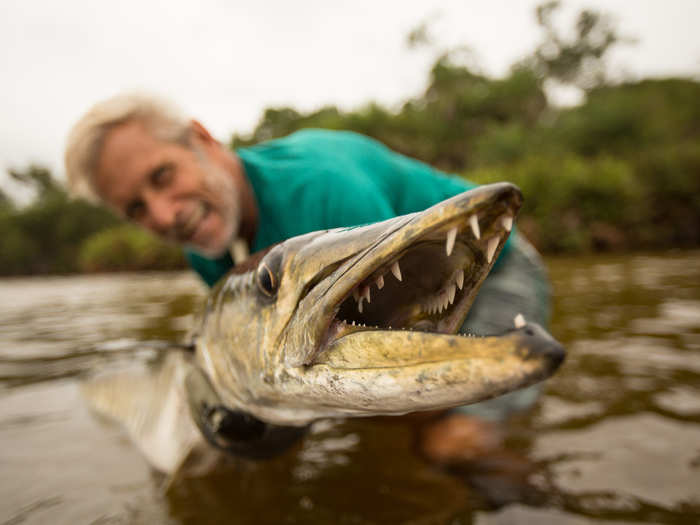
557 356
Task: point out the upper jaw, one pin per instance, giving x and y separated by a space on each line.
419 271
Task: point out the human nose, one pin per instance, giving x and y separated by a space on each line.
161 213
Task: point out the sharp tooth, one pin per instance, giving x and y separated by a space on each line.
459 278
396 270
445 301
380 282
491 248
353 323
451 236
451 291
507 222
356 294
359 304
365 294
519 321
474 223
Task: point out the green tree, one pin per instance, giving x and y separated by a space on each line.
45 236
580 60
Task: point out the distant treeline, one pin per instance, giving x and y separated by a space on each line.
57 234
619 172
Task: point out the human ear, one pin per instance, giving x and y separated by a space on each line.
202 133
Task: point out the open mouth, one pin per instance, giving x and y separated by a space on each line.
363 320
429 283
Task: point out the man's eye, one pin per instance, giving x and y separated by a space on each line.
162 176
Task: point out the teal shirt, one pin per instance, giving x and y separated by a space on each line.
318 179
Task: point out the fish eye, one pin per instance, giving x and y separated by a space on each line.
267 281
268 274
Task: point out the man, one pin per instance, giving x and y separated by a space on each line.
139 156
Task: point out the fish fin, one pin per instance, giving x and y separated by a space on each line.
151 405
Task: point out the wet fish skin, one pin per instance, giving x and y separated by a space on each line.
305 331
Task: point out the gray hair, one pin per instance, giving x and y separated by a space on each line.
161 118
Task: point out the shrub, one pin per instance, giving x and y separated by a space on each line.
671 178
126 248
572 203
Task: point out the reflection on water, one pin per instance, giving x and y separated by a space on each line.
615 438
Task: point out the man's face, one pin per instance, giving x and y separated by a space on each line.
177 192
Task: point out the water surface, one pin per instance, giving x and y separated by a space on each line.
615 437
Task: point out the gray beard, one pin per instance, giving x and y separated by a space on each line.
219 182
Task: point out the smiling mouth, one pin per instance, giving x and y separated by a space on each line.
187 224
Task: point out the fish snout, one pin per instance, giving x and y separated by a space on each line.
537 343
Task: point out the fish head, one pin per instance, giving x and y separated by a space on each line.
363 321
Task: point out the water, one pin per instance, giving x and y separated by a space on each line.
614 439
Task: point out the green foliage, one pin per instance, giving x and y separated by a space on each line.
19 250
131 248
621 119
671 176
57 234
45 236
578 61
573 204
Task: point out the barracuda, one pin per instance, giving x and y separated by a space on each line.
359 321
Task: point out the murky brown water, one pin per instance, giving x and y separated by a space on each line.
614 439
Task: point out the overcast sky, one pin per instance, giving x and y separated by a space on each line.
224 61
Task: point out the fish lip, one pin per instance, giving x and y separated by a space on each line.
529 343
396 242
538 343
